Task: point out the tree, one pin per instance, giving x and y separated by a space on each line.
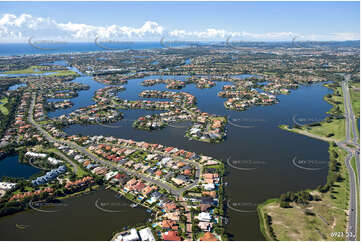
284 197
284 204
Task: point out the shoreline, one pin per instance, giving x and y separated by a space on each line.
266 223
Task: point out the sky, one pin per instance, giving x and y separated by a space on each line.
201 21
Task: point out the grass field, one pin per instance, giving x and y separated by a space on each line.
38 70
3 109
328 128
355 98
330 213
264 226
64 73
29 70
328 131
80 171
353 164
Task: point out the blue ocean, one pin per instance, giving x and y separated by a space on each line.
20 49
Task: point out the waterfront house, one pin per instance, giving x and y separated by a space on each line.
168 224
208 236
204 216
205 226
131 235
50 175
146 234
171 236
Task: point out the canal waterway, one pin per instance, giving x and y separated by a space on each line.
261 156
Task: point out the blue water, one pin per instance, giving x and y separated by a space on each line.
16 86
30 74
265 141
11 167
134 87
84 99
20 49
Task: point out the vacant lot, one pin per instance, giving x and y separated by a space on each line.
329 213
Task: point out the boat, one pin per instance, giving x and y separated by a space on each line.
134 205
118 195
21 226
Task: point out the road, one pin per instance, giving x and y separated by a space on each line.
351 139
198 168
31 120
84 151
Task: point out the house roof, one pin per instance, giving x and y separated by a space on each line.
171 235
208 236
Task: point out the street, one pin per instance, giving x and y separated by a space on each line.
175 191
351 139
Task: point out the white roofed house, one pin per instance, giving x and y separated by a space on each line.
209 186
132 235
6 186
37 155
146 234
54 161
205 217
165 160
110 175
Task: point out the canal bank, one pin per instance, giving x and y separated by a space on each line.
11 167
256 143
331 207
94 216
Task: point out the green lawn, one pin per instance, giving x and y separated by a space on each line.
64 73
353 164
29 70
355 98
80 171
40 70
330 131
334 129
355 102
3 109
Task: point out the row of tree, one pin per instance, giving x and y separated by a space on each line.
333 176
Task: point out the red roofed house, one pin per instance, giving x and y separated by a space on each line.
208 236
171 236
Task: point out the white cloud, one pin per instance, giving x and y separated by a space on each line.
335 36
209 34
20 28
24 26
